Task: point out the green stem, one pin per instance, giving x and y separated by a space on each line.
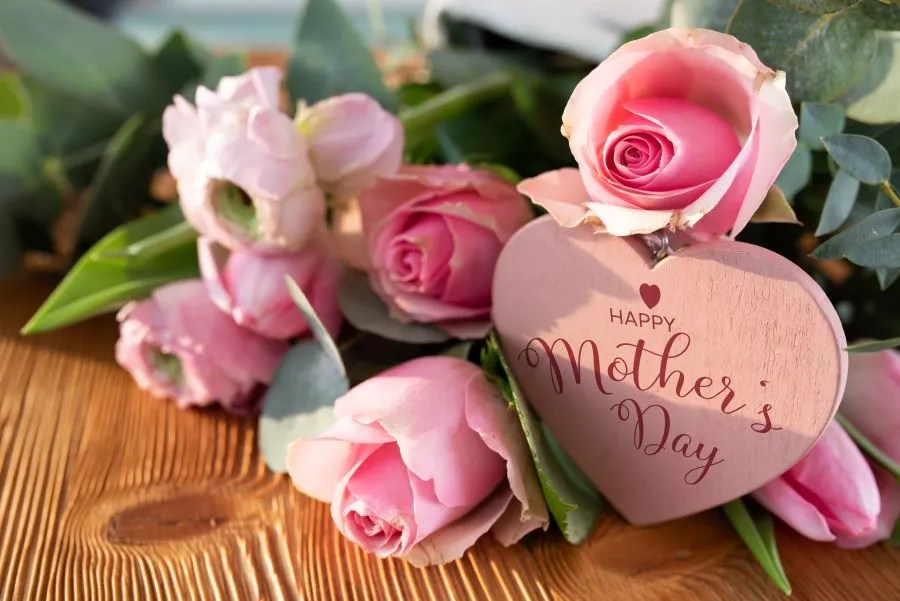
889 192
869 447
458 99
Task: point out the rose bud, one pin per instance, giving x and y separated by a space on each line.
433 235
682 128
422 460
251 287
352 141
872 405
177 344
829 495
244 178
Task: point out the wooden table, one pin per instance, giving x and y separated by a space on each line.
108 493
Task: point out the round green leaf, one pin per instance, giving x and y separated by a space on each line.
796 172
875 225
861 156
841 198
817 120
874 98
881 252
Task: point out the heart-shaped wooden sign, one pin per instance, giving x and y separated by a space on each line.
677 386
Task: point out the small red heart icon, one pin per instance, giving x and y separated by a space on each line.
650 294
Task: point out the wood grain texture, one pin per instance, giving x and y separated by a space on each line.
106 493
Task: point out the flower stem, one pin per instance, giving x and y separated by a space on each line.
421 118
889 192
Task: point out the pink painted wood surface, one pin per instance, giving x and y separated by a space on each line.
676 387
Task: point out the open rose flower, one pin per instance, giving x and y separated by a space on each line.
683 128
243 173
433 235
872 405
422 461
352 141
251 287
177 344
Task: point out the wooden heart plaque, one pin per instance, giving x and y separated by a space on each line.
677 386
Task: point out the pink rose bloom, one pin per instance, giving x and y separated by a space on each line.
244 177
423 460
683 128
433 235
251 287
830 495
872 405
177 344
352 141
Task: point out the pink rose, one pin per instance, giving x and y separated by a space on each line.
433 236
830 495
872 405
423 460
352 141
683 128
177 344
244 177
252 289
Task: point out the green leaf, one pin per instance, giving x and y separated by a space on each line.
878 253
861 156
574 505
839 203
823 55
20 160
13 99
79 55
817 120
178 61
121 184
329 58
223 66
365 311
819 7
706 14
300 400
874 98
887 277
759 536
873 346
874 226
797 171
869 447
105 278
884 16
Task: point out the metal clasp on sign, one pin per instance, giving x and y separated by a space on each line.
658 243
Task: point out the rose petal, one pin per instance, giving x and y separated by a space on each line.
561 193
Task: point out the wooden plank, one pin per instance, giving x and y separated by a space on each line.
106 493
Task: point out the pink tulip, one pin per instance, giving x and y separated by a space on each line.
422 461
244 177
682 128
352 141
433 236
830 495
177 344
872 405
251 287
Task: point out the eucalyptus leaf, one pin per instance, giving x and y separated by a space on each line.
869 447
839 202
819 7
874 98
574 505
862 157
797 171
122 181
105 278
883 15
817 120
873 346
73 52
881 252
706 14
823 55
13 99
759 536
874 226
300 400
365 311
329 57
887 277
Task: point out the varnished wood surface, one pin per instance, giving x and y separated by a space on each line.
106 493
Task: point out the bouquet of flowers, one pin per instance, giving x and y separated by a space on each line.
321 254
